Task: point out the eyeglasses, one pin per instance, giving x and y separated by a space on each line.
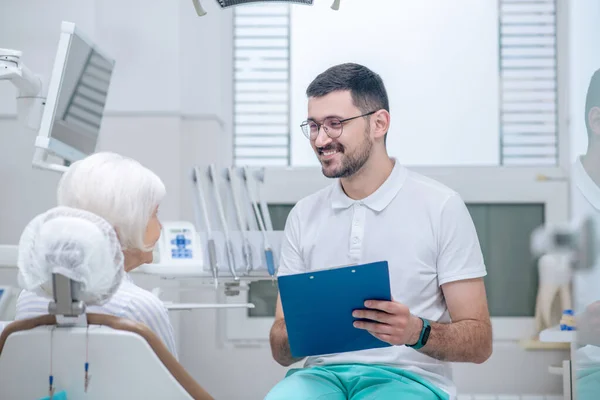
332 126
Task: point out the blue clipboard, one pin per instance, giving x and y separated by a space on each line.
318 308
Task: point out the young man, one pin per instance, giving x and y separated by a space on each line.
378 210
585 191
585 202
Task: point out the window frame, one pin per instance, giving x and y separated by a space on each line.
562 142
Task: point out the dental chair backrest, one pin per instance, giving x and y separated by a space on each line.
126 359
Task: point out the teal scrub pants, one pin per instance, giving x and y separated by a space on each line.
354 382
587 384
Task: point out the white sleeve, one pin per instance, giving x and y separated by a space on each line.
459 253
290 260
150 310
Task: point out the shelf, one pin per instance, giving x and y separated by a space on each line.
555 335
535 344
204 306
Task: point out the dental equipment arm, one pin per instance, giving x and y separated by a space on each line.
212 251
246 248
212 174
30 104
264 208
268 249
199 10
27 83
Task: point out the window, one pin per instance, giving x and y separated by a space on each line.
261 84
457 98
528 78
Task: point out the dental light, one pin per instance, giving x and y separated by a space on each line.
68 118
230 3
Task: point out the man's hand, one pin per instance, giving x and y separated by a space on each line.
392 322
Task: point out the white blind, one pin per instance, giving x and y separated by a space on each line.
261 84
528 78
527 67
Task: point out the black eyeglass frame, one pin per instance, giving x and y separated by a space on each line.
306 131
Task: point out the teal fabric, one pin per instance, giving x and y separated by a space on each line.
587 384
62 395
354 382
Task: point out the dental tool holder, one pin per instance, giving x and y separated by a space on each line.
68 309
255 239
228 209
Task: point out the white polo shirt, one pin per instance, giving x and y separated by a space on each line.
420 227
585 202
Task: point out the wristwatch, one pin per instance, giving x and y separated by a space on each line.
423 337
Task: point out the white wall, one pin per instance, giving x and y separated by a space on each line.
161 93
170 107
437 58
584 59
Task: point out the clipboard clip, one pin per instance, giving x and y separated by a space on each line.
341 266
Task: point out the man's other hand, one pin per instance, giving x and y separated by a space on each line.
390 322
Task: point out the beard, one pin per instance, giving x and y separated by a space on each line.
350 163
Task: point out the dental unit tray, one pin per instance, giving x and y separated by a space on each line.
220 251
231 3
255 240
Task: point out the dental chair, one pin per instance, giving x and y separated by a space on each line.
126 359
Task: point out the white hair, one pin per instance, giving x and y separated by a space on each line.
116 188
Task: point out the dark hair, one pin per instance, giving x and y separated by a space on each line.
592 100
365 86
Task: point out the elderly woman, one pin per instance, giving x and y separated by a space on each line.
126 197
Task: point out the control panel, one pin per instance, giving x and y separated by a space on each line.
179 244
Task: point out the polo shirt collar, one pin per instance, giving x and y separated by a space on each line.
379 199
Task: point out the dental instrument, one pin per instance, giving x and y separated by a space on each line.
267 246
212 175
212 251
264 208
246 247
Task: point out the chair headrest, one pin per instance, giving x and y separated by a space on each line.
76 244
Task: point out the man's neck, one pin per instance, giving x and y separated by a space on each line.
370 177
591 163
